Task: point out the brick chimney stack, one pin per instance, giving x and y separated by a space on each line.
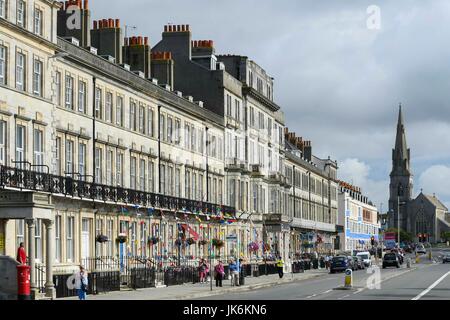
137 53
65 18
163 67
106 36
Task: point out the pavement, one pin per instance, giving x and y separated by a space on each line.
196 291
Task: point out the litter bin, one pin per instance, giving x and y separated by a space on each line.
315 263
241 278
255 270
322 263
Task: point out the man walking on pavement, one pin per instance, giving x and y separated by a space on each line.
21 254
234 271
280 265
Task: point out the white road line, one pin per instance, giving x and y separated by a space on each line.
344 297
328 291
309 297
431 287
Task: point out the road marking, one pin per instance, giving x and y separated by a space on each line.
431 287
359 290
309 297
344 297
328 291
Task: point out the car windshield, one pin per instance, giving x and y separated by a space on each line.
338 259
390 256
364 256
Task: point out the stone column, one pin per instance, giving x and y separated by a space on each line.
49 285
31 255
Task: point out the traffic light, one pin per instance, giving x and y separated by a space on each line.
420 237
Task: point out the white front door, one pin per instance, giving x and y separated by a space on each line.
85 239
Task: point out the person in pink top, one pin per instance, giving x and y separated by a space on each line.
219 273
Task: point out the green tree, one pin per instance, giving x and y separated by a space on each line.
404 236
446 236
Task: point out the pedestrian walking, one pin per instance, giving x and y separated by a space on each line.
21 254
203 270
280 265
81 283
234 271
219 273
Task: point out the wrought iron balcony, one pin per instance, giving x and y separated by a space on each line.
16 178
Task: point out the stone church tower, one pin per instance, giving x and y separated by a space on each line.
401 186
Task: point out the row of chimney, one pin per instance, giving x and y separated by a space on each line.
106 37
349 186
304 146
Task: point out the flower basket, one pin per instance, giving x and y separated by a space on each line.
266 247
101 238
218 243
122 238
190 241
153 240
253 247
203 242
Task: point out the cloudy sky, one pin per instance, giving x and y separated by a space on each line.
338 81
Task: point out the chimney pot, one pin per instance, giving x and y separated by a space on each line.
86 4
170 28
146 41
166 28
95 25
110 23
117 23
126 42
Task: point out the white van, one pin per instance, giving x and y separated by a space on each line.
366 257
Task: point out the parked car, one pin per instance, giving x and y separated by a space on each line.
420 249
446 258
391 260
358 261
366 257
339 264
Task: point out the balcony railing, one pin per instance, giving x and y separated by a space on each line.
36 181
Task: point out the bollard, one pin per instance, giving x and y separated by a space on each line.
417 258
23 282
408 263
348 278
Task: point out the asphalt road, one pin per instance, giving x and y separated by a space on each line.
423 281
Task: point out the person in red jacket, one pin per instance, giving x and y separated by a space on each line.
21 254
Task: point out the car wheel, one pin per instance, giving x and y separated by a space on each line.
398 265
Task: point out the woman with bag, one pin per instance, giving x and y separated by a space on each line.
81 282
203 270
219 274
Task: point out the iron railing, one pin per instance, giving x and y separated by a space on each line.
38 181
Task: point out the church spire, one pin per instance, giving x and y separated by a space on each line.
401 153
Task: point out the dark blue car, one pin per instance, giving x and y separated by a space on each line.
340 263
